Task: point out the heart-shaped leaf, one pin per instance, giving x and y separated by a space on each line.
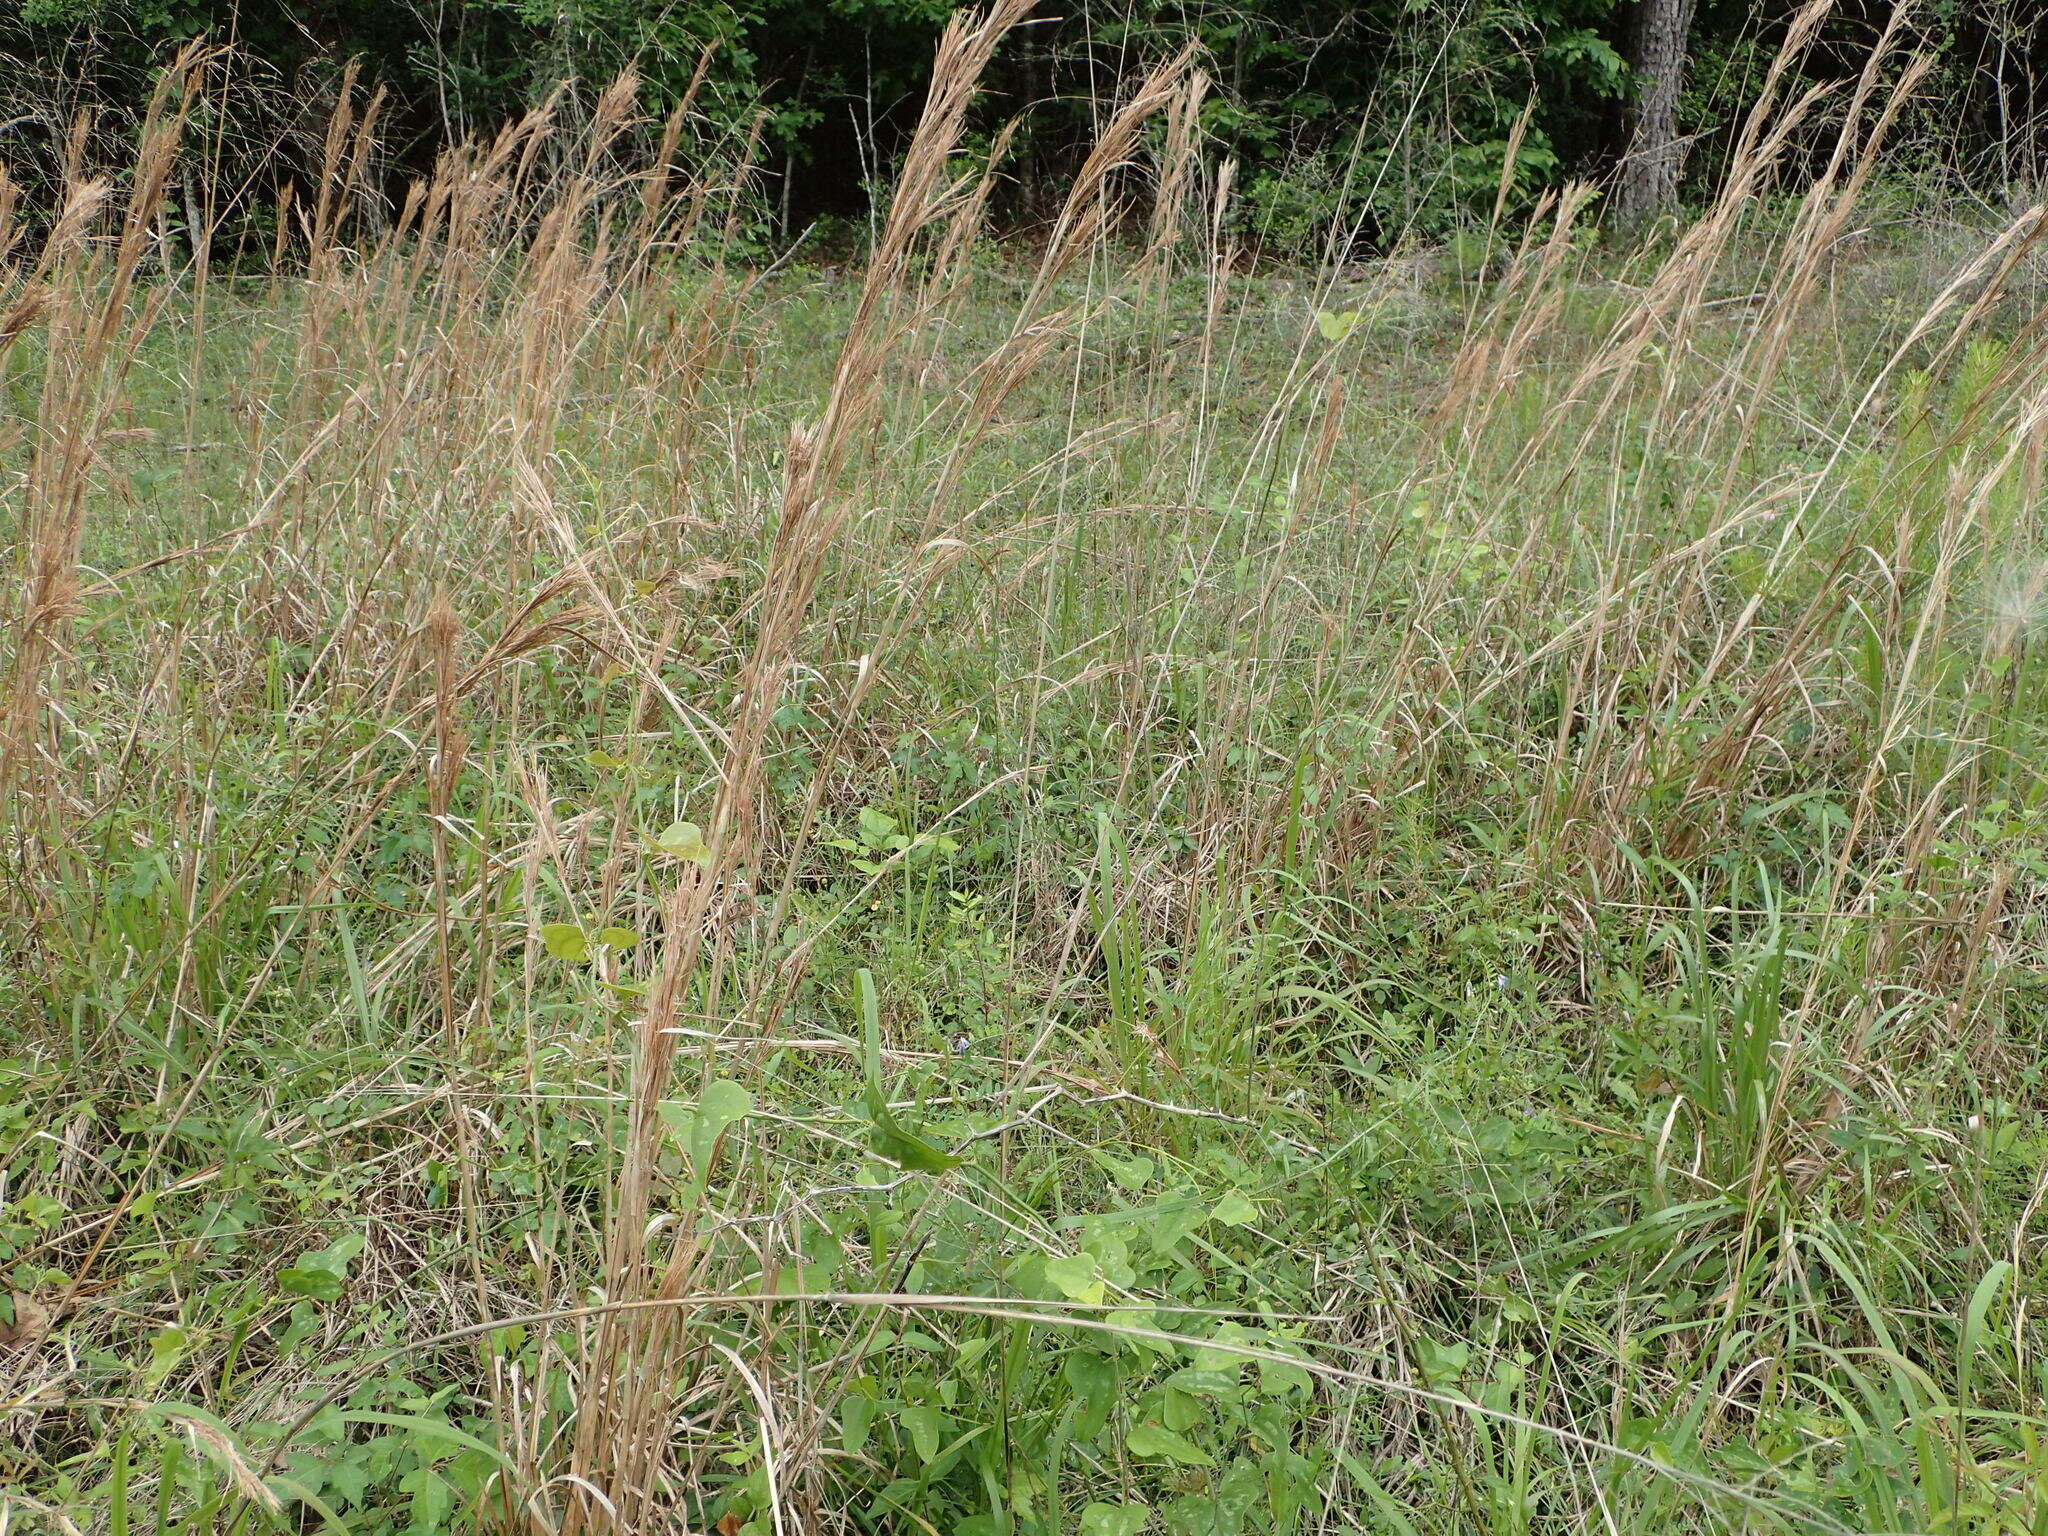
565 941
1233 1210
1077 1275
684 840
1132 1174
1337 325
698 1126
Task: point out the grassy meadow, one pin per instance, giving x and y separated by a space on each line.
995 891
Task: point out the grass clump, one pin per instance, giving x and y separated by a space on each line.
1021 894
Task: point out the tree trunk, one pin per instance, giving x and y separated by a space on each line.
1648 184
1034 202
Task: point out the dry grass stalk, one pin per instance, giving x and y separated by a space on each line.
621 1433
96 325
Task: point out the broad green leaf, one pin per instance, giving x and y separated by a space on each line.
1093 1378
167 1347
926 1426
336 1255
617 938
1132 1174
870 1030
723 1104
1277 1377
433 1501
348 1477
320 1271
1973 1330
684 840
40 1209
320 1284
1195 1382
1336 325
698 1126
1139 1318
892 1141
1224 1504
1225 1359
1151 1440
856 1417
565 941
1233 1210
1114 1519
1077 1275
1173 1220
418 1426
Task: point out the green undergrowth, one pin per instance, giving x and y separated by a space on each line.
1304 1037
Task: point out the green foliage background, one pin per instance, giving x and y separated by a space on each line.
1391 114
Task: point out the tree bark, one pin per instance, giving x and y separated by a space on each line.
1648 184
